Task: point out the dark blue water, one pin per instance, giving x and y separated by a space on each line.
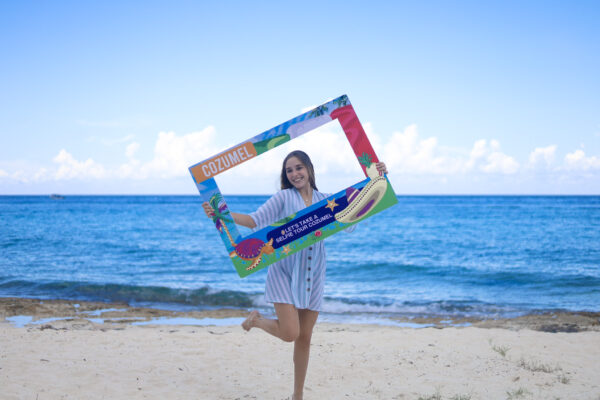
456 256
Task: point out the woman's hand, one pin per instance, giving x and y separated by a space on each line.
381 167
208 209
241 219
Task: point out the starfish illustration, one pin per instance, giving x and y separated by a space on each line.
286 249
331 204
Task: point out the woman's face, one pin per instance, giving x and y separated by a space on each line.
296 173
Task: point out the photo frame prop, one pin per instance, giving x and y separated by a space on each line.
312 224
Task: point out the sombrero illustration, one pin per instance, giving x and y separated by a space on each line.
361 201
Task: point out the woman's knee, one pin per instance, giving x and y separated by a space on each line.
289 324
304 337
289 333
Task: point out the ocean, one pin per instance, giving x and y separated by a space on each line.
428 256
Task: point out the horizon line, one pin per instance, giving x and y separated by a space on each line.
270 194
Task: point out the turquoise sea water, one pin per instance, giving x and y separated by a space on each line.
489 256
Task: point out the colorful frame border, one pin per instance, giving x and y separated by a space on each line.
312 224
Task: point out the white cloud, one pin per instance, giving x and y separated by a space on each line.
328 149
407 153
488 158
70 168
478 151
174 154
404 153
131 149
41 175
420 161
542 157
498 162
20 176
128 170
577 160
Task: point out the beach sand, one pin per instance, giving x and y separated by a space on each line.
551 356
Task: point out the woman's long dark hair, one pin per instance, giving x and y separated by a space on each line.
304 159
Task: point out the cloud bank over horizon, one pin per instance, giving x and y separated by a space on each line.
417 165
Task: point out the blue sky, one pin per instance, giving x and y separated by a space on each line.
457 97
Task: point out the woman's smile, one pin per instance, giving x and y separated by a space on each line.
296 173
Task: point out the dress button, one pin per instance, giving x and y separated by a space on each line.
308 280
309 268
309 257
310 248
308 290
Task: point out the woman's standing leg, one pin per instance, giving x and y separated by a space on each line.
307 320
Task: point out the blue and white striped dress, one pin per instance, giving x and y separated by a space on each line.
298 279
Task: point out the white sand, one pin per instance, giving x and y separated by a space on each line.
81 361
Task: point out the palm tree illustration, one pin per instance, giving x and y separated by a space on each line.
318 111
341 101
365 159
221 215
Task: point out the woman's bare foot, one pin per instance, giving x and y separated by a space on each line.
250 322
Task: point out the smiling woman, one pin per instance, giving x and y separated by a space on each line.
292 225
295 284
297 171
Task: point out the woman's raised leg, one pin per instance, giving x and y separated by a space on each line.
307 319
286 326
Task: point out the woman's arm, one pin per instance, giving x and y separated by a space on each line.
243 219
240 219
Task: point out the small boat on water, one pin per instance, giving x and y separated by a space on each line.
57 197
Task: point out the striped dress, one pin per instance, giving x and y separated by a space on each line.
298 279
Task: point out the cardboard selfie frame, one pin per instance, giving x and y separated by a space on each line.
315 222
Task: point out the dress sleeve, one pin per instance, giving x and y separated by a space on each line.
350 229
269 212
